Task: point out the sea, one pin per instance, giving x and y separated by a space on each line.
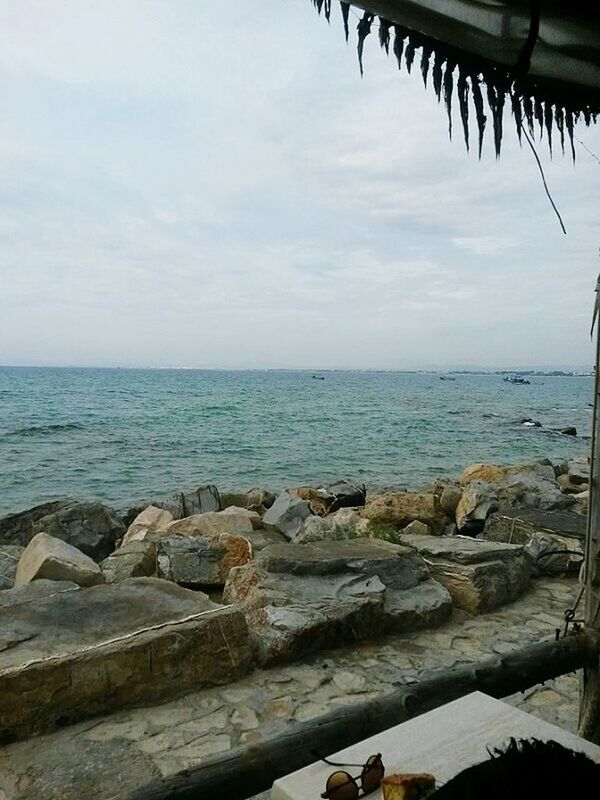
126 435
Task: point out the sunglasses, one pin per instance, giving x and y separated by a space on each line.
342 786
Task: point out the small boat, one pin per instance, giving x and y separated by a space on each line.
447 378
318 377
517 381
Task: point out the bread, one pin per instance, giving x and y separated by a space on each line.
407 787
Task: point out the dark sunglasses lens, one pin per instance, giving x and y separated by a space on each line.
341 786
372 774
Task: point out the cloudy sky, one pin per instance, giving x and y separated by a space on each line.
214 185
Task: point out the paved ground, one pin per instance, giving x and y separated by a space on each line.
108 756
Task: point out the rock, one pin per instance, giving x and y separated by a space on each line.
479 575
198 561
540 532
416 528
534 487
476 504
25 594
554 555
578 471
151 520
300 598
83 652
450 498
568 487
182 504
258 500
287 514
9 558
262 538
91 527
402 508
253 516
330 498
203 500
343 524
17 528
132 560
518 524
55 560
488 473
569 431
212 523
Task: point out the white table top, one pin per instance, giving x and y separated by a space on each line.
443 742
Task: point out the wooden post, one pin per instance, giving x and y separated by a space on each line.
589 707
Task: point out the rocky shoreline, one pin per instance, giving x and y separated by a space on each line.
102 611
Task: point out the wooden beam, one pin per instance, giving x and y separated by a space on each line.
245 771
589 708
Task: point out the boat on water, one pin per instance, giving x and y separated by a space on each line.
318 377
516 381
447 378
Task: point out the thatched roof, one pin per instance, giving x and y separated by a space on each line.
539 58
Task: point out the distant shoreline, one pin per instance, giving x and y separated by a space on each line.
555 373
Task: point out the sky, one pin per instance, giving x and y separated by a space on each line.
193 185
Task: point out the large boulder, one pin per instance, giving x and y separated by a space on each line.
450 498
77 653
212 523
579 471
253 516
261 538
479 575
529 485
17 528
300 598
554 539
343 524
182 504
91 527
9 559
533 487
327 499
258 500
25 594
477 502
132 560
488 473
55 560
198 561
568 487
287 515
401 508
151 520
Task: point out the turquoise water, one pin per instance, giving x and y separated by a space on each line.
122 435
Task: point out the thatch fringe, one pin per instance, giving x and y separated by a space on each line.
550 105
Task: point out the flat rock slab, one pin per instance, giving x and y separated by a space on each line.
301 598
74 653
479 575
520 523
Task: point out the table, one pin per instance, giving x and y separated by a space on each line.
443 742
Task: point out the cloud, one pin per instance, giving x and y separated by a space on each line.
483 245
185 187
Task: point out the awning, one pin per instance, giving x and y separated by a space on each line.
541 58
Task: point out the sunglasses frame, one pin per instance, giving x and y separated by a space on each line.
329 794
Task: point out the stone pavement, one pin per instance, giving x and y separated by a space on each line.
108 756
